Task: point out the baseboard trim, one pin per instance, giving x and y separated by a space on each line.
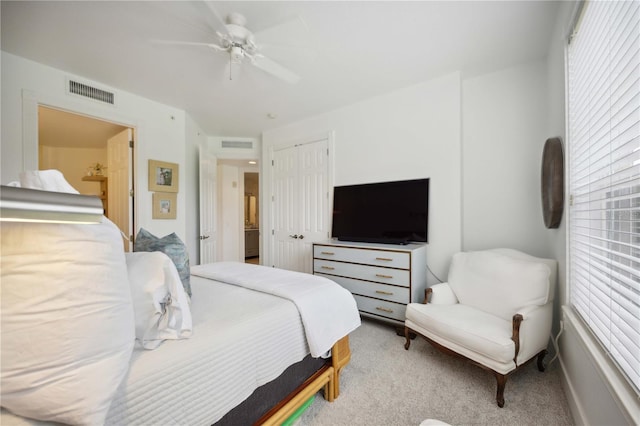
575 406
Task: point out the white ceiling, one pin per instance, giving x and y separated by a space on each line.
353 50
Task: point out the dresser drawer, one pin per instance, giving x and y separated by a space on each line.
391 259
381 307
363 272
365 288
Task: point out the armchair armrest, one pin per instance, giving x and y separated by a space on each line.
515 334
528 311
441 294
534 330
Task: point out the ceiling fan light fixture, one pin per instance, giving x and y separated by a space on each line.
236 53
236 40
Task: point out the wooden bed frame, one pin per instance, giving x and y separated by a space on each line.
328 377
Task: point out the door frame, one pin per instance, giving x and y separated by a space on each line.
266 189
31 100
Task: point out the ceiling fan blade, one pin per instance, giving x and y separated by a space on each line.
275 69
215 20
190 43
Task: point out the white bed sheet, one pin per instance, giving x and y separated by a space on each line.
328 310
197 380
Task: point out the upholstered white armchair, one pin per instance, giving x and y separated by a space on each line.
495 311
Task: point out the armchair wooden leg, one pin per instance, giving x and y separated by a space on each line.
407 335
541 356
502 381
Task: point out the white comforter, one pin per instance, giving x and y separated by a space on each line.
328 311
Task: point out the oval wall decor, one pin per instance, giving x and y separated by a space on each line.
552 182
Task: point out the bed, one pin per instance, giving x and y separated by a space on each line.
234 327
250 346
250 328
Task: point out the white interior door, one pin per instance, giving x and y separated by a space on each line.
285 209
300 203
208 174
120 183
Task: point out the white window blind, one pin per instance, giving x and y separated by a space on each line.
604 177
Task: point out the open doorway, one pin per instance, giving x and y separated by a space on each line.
95 157
251 218
232 227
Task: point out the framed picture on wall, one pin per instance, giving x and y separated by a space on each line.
164 205
163 176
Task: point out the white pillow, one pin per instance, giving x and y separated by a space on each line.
160 303
46 180
67 320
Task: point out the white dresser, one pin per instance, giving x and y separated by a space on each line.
382 277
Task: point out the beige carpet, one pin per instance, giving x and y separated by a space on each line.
386 385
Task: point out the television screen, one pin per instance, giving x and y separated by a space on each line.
386 212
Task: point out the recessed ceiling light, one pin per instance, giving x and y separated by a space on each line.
253 162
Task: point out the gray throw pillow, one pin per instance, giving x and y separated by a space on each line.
172 246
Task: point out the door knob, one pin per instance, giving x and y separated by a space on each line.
293 236
204 237
300 236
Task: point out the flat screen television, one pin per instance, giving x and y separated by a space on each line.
386 212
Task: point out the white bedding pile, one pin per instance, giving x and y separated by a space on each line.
66 314
160 303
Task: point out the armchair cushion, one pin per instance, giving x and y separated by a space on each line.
466 327
499 284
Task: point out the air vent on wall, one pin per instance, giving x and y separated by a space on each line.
237 144
91 92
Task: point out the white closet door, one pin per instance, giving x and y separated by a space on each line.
300 203
314 195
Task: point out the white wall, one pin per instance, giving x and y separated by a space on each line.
160 130
479 140
406 134
556 239
504 131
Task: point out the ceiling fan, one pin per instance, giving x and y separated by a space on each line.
239 43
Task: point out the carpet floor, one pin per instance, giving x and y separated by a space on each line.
386 385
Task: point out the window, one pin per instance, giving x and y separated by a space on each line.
604 177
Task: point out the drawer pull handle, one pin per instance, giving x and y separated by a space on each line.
380 308
331 268
386 259
388 293
330 253
383 276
